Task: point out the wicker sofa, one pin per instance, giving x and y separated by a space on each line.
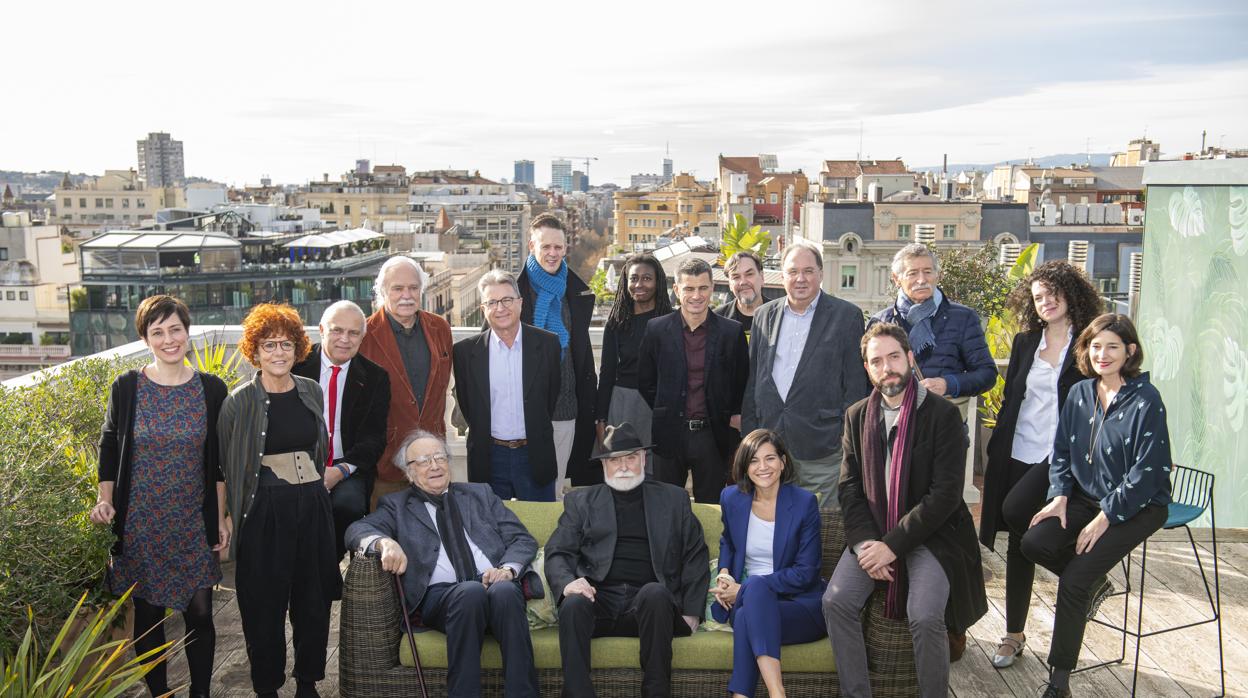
374 659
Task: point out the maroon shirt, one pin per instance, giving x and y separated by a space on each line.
695 369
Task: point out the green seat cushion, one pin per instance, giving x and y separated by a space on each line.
711 651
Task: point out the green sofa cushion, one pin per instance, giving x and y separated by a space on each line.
711 651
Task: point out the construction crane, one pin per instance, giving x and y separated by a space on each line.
578 158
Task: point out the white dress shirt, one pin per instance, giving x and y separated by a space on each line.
326 373
794 329
759 537
507 388
1037 416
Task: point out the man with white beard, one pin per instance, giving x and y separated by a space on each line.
611 565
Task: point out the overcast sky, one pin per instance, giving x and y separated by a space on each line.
294 90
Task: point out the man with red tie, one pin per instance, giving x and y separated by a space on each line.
357 400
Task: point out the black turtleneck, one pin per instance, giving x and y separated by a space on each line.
631 563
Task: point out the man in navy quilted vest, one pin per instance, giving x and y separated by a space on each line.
947 337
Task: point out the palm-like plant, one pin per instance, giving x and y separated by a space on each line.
1002 326
211 358
88 665
740 235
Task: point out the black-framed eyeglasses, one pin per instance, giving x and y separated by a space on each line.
504 302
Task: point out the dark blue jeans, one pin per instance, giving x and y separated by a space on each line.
511 476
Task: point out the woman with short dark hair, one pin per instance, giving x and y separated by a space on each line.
1052 306
771 596
161 489
273 452
1109 483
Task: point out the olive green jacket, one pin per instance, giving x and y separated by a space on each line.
241 429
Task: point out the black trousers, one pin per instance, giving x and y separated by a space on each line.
1025 498
464 611
1079 576
649 613
698 452
286 561
350 501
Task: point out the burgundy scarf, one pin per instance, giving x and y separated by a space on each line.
887 503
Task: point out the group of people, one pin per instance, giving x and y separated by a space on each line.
836 413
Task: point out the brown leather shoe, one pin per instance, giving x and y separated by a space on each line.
957 646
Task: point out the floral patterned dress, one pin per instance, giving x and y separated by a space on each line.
165 552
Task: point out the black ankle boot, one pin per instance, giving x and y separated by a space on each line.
306 689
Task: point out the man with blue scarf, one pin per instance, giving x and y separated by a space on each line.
558 301
947 337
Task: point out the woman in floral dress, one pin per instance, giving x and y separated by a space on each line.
162 491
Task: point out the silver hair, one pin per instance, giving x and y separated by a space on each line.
914 249
802 245
497 277
379 285
400 456
340 307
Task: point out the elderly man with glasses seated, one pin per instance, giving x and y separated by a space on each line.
507 385
461 555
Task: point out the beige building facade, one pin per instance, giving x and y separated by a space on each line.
117 199
641 217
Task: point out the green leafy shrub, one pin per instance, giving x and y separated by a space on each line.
1001 327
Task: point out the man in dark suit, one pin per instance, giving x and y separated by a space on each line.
464 554
357 400
557 300
692 372
628 558
906 526
805 370
506 385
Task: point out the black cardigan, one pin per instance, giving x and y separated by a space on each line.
117 450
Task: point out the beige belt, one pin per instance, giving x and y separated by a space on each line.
295 468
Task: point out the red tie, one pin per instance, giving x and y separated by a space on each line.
333 409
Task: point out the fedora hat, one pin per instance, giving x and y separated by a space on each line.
619 441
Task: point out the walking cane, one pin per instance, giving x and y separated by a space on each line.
411 638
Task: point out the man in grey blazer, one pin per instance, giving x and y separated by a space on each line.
467 555
628 558
805 370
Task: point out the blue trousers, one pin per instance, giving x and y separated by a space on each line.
464 611
511 476
762 621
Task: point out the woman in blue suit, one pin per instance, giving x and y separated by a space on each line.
768 585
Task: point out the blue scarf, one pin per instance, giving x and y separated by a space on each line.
919 317
548 311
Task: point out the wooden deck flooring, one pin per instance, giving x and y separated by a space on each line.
1177 664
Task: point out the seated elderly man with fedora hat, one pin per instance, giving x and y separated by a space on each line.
461 555
628 558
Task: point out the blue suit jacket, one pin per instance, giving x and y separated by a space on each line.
797 551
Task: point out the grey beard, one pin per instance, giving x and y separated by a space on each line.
623 484
893 390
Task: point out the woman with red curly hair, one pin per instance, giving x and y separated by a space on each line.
273 449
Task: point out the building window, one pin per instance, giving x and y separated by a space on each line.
67 202
23 295
125 203
4 254
951 231
99 202
141 202
774 197
849 276
706 208
108 203
644 207
10 296
346 209
903 231
82 203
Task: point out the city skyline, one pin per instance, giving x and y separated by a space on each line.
912 81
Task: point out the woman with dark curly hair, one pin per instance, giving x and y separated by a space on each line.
273 447
1053 305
